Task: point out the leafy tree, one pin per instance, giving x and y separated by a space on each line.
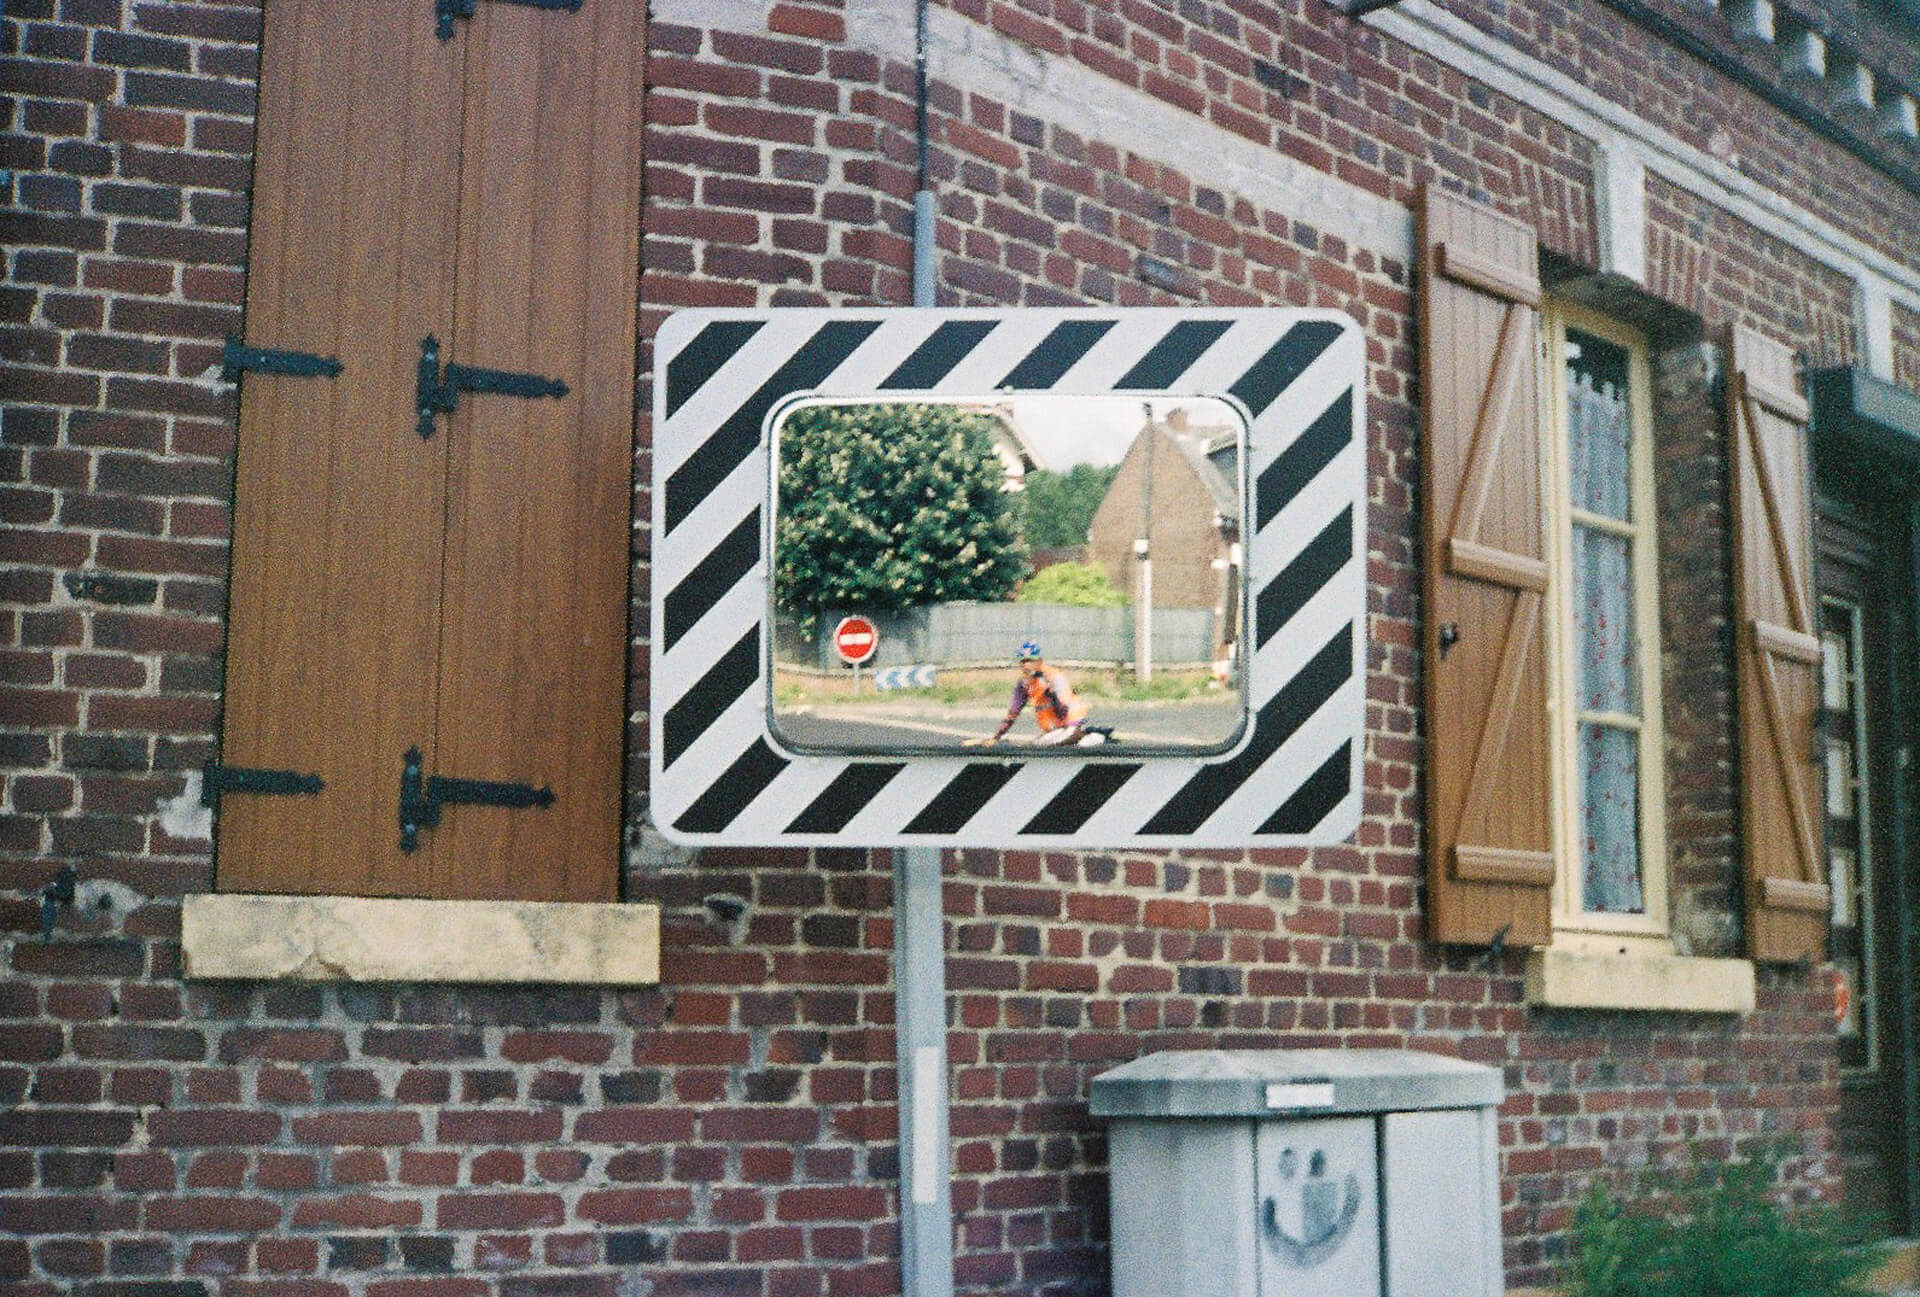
887 507
1056 509
1084 585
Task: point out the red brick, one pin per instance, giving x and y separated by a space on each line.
358 1128
207 1213
212 1127
499 1210
356 1211
636 1206
853 1203
497 1126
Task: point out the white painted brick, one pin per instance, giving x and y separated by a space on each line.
1752 20
1804 54
1852 85
1898 118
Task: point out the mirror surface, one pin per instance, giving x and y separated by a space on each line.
944 544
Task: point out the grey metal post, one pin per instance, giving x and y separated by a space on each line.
920 1035
923 235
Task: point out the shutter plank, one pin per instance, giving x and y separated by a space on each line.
1489 835
334 593
534 647
1787 899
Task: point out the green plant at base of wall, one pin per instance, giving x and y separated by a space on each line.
1711 1229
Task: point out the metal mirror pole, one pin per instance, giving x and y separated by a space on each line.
920 1034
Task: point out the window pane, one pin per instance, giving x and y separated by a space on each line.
1599 425
1834 650
1610 819
1603 638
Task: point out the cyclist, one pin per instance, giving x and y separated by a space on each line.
1060 713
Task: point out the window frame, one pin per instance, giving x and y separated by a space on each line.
1573 925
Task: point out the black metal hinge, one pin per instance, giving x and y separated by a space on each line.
437 391
445 11
216 779
237 356
422 796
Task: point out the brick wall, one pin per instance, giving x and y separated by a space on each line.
732 1131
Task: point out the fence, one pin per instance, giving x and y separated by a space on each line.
976 634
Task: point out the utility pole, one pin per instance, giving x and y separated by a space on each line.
1143 562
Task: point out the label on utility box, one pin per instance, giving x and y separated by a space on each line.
1300 1094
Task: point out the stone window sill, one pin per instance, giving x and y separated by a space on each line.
230 936
1581 979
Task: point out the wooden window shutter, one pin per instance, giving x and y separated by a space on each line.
1489 794
463 593
1787 899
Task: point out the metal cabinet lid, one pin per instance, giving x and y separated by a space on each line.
1291 1082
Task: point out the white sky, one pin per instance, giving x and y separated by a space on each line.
1069 430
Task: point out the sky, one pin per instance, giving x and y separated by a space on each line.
1069 430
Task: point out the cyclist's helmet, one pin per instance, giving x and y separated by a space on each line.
1029 650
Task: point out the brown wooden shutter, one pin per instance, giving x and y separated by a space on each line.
338 505
1779 654
464 594
534 647
1489 794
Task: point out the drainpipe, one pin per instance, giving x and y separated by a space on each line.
920 1050
923 188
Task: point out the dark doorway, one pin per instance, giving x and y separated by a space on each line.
1870 744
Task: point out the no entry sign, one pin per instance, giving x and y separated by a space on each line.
855 639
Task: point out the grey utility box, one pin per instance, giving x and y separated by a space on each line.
1303 1173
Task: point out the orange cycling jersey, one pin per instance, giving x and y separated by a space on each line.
1054 702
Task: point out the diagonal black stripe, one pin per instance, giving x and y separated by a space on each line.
845 797
714 575
1276 722
700 706
736 437
1058 353
963 796
1174 354
1303 578
700 359
1285 361
935 358
743 781
1311 801
1299 463
1084 794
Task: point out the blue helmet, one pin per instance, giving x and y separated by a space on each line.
1029 649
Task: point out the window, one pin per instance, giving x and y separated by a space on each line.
1604 676
1545 790
1850 863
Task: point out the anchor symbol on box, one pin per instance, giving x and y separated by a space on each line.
1325 1213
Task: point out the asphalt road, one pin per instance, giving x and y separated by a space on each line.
900 726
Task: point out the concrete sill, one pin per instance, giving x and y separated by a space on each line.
1578 979
353 939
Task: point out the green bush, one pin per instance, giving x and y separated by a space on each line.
1084 585
1711 1229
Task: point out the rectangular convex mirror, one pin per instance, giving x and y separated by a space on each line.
1038 572
1020 577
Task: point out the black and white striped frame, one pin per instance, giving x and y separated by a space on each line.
718 774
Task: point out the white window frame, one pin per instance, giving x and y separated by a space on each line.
1573 926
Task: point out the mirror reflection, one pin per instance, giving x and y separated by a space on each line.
1041 573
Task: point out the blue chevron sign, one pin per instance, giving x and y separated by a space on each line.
1287 767
920 676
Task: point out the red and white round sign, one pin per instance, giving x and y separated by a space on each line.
855 639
